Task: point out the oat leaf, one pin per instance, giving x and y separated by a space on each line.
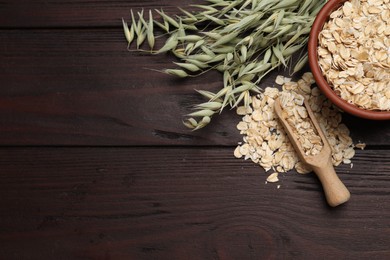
176 72
150 31
188 66
167 18
300 64
204 112
129 33
170 44
225 39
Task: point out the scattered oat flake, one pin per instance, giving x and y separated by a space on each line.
280 80
273 177
361 146
237 152
347 161
241 110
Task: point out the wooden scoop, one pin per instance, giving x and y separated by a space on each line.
335 191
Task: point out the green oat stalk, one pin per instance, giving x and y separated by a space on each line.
243 39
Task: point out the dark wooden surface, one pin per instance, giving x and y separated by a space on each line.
95 162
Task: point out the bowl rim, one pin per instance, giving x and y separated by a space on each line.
318 23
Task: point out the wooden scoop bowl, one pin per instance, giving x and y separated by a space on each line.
335 191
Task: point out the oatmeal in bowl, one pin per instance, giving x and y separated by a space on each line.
349 55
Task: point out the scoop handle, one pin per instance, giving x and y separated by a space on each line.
335 191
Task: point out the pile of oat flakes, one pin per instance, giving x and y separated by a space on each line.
266 143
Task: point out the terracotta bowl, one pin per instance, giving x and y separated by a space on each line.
318 24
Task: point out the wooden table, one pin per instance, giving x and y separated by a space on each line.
96 164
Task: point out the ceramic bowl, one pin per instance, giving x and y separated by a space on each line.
318 24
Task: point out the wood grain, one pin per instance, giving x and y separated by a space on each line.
96 164
179 203
75 13
82 87
72 87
